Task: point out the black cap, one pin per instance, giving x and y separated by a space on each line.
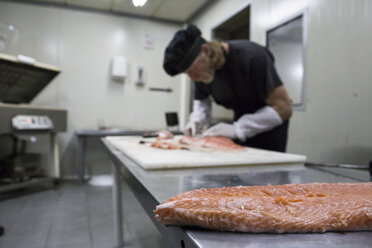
182 50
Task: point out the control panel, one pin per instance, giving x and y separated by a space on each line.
32 122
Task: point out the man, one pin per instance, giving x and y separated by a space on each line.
239 75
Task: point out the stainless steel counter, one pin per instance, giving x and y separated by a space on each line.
82 135
153 187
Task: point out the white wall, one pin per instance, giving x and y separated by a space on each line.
83 44
336 124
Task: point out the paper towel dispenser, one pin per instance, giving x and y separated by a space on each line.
119 68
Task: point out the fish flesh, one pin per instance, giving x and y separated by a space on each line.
292 208
211 142
207 142
167 145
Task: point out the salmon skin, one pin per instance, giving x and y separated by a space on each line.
292 208
211 142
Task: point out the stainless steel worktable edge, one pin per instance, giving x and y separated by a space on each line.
148 187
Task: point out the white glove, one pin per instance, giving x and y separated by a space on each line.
193 128
199 117
222 129
248 125
201 111
262 120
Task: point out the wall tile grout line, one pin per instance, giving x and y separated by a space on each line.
53 218
9 229
87 206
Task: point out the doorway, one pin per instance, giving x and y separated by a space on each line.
235 28
287 42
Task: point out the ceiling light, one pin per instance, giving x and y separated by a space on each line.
139 3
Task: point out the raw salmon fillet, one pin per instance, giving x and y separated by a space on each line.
211 142
314 207
166 145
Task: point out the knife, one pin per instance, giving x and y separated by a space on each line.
144 142
156 134
150 135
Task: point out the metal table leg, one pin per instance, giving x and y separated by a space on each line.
54 152
117 207
80 159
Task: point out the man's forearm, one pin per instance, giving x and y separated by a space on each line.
279 100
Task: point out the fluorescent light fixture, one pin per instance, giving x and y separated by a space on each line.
139 3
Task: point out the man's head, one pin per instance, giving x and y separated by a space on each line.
188 52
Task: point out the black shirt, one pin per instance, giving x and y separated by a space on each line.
243 84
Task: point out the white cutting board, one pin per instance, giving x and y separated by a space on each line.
151 158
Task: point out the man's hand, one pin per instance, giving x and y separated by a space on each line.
222 129
193 128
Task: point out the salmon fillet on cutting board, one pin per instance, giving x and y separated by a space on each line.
216 142
313 207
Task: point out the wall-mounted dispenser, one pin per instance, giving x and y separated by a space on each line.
119 68
140 74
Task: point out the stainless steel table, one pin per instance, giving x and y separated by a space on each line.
92 133
153 187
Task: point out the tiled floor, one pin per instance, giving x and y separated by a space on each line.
73 215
